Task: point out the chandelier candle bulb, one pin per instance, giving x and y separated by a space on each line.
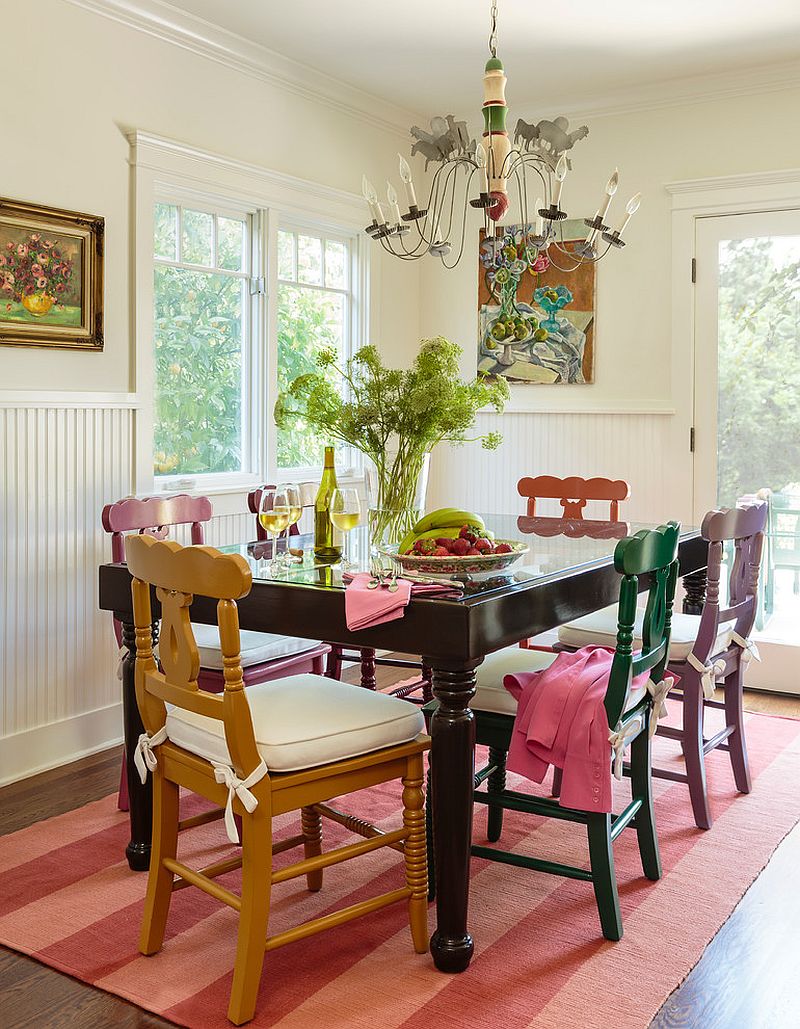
611 189
561 174
538 224
372 199
391 197
631 208
405 175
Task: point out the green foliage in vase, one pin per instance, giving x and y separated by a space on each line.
419 407
393 416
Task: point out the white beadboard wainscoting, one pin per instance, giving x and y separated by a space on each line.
63 457
632 446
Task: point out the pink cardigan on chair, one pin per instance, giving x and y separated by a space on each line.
561 721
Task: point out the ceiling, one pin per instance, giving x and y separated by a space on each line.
427 55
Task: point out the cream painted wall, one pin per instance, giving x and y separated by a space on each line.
92 81
633 341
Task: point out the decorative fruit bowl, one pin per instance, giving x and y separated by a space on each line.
427 564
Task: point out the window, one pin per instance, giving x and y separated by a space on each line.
314 313
201 336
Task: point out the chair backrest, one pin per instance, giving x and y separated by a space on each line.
154 516
651 552
178 573
573 492
743 526
308 492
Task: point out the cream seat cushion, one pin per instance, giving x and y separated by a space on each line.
600 629
304 720
257 647
491 694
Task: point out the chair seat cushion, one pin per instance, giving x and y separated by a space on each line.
301 721
491 694
600 629
257 647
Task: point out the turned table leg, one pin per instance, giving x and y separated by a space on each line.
453 768
368 677
140 797
695 584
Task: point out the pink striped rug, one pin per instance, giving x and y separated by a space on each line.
68 899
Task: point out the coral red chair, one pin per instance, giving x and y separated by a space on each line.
265 655
573 493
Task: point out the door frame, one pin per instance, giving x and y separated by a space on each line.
692 200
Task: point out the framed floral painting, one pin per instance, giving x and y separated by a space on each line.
536 323
51 277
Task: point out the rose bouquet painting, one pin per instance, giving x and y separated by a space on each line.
38 277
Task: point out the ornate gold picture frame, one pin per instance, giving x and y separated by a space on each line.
51 277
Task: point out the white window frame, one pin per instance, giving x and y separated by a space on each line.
353 460
168 172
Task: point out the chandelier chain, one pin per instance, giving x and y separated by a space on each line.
493 33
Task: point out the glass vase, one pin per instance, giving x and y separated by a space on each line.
396 488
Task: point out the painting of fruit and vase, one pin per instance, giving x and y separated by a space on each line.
51 277
532 327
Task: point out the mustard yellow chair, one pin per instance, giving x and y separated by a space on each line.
282 745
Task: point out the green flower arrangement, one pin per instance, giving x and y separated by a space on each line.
394 417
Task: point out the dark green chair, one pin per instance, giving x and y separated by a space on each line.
651 554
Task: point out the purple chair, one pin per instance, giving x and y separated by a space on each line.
264 656
720 655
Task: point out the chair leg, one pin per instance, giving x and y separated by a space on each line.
734 715
159 882
558 775
368 680
604 878
429 834
415 853
495 783
642 789
333 665
311 822
692 744
254 914
122 797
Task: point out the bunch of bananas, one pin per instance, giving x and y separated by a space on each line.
446 523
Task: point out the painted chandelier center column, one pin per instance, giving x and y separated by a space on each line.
495 140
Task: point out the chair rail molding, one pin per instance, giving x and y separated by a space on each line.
179 28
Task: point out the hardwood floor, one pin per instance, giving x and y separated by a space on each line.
746 979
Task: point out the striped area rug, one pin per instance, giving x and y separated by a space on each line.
68 899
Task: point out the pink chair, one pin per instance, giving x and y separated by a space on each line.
265 655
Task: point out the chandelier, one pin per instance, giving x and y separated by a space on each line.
490 175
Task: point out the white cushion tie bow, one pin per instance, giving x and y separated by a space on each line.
123 653
708 673
143 756
618 739
749 649
226 776
659 691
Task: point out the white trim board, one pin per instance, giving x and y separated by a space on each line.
211 41
58 743
65 398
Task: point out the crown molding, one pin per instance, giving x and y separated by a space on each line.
166 22
747 180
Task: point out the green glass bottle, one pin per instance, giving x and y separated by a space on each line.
325 544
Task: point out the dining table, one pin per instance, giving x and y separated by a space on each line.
567 571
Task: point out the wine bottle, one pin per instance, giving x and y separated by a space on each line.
325 536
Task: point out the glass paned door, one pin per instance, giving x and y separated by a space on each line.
747 407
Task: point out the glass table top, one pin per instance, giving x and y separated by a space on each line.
556 545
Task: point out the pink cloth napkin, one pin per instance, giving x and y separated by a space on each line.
364 608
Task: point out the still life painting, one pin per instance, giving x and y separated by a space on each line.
533 328
51 277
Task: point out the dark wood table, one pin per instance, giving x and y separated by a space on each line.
568 572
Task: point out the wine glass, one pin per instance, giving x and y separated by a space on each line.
292 491
345 513
274 512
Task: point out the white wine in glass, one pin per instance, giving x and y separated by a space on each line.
345 513
295 514
274 513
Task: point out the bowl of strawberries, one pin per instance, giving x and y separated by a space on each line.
466 550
